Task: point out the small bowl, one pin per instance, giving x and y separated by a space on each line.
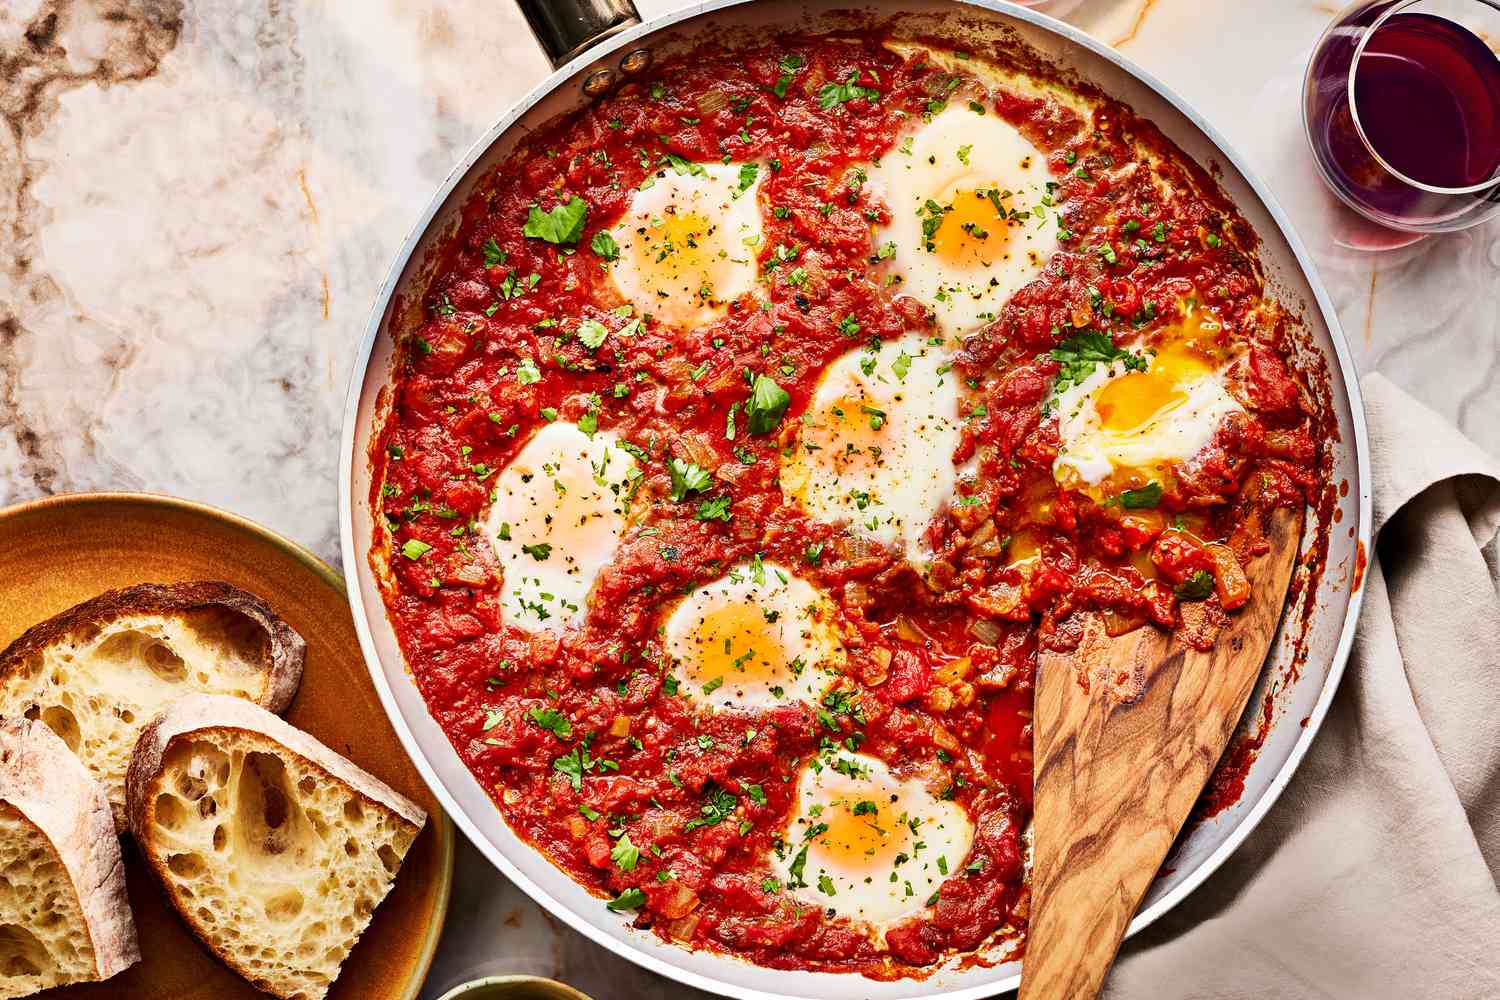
513 988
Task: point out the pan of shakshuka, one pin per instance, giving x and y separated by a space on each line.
750 407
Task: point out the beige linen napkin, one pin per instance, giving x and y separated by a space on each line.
1375 874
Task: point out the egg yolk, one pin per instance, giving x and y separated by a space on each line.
739 642
1135 398
679 242
859 836
974 231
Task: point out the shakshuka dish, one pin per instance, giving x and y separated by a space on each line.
765 418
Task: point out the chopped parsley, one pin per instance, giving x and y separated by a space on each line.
540 551
493 255
413 548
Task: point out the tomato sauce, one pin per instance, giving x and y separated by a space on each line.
941 670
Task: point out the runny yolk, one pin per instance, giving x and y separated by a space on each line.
1135 398
738 644
1127 402
869 840
973 233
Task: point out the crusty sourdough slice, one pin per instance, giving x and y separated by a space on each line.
99 671
273 848
64 917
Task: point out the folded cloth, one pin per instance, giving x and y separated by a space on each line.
1375 874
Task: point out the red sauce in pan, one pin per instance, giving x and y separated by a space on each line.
941 673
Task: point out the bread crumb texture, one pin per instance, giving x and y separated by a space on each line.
278 865
98 686
43 937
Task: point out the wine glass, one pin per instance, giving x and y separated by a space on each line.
1401 104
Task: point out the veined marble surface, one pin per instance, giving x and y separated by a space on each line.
198 202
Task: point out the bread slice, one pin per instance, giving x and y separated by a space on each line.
99 671
273 848
64 917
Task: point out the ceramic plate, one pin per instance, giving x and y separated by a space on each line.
61 550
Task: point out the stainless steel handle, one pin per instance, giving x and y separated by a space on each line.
565 28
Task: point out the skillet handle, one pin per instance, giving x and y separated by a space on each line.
565 28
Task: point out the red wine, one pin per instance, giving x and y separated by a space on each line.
1427 92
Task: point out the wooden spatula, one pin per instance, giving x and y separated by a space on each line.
1127 731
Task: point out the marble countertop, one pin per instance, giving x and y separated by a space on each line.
199 201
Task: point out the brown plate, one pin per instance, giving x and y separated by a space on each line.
61 550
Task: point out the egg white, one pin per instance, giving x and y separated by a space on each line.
875 445
946 173
757 637
1131 426
558 513
867 844
687 243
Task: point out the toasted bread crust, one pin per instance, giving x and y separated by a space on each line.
288 649
201 714
42 780
211 717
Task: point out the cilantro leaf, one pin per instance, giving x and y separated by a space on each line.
625 854
604 245
551 720
591 333
1145 497
834 94
684 167
789 66
687 478
573 764
1080 354
1196 587
563 223
767 405
493 255
630 899
748 173
716 509
527 372
797 867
